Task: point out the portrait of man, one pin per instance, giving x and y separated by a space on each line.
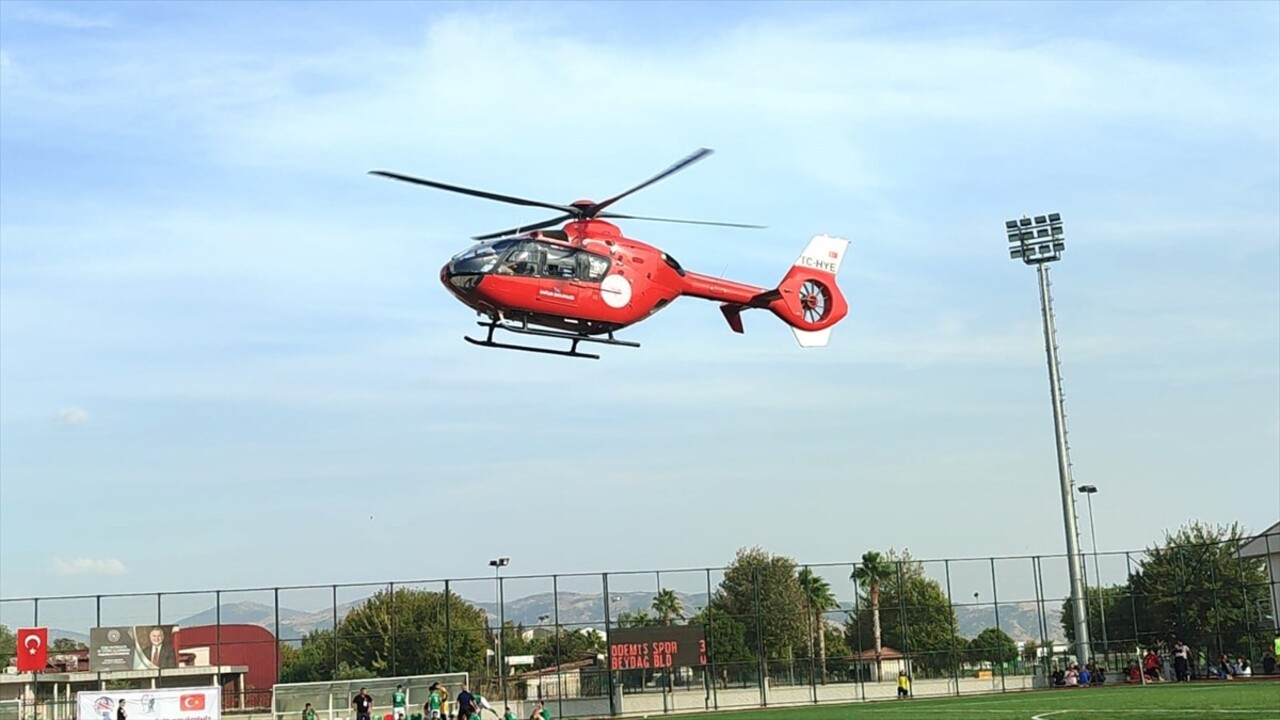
157 650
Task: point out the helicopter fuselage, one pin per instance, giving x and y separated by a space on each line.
587 279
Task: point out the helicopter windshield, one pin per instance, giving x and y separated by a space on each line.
482 258
532 259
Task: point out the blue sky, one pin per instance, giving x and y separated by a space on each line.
227 360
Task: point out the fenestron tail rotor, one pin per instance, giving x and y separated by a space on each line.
581 210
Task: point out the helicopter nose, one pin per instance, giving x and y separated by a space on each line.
458 284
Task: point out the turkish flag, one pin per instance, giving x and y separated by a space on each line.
33 649
191 702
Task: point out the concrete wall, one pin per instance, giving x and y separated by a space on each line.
698 700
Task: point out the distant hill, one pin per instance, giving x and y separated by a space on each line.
1019 620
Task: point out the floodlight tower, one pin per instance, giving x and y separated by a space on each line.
1089 491
497 564
1039 242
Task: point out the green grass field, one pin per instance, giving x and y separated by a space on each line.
1251 700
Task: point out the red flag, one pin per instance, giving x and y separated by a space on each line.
33 649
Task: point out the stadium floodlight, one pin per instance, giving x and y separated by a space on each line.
1089 491
497 564
1039 241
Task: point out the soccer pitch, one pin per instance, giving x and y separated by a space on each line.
1252 700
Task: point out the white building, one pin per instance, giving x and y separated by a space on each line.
1267 544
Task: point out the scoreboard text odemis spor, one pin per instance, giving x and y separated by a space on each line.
657 647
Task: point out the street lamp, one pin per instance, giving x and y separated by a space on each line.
1038 242
1088 491
497 565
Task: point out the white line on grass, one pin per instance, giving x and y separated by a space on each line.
1150 710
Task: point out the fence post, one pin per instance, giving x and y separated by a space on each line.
857 626
813 641
448 628
391 590
275 669
955 630
335 631
902 618
1133 611
762 664
608 649
555 597
711 646
995 605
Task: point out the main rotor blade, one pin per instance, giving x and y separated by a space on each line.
701 153
525 228
686 222
477 193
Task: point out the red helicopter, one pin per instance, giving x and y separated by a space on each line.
586 281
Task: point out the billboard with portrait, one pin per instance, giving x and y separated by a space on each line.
133 647
199 703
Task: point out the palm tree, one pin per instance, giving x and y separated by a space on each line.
667 606
873 569
818 592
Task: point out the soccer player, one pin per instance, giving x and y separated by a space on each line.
904 684
509 714
482 705
433 705
397 702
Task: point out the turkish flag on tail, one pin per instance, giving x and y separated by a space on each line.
33 649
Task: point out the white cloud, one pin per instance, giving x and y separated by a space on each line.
88 566
73 416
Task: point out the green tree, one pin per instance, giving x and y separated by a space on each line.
1029 650
818 596
404 633
8 645
640 618
567 646
1195 587
726 638
994 646
1111 602
65 645
916 615
870 574
761 591
667 606
313 661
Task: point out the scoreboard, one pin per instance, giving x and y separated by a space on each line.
648 648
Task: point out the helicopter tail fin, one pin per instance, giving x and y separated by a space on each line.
808 299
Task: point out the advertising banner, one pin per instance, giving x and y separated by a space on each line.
138 647
201 703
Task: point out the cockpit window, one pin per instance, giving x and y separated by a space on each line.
532 258
481 258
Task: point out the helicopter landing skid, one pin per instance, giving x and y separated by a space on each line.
524 329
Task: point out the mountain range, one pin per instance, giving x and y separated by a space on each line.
1019 620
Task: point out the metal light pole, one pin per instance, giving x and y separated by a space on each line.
1088 491
497 565
1039 242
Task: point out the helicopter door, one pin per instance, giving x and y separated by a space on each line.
559 276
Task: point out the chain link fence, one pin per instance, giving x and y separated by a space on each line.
777 632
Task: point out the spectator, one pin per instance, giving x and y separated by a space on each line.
1181 656
1244 668
363 703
